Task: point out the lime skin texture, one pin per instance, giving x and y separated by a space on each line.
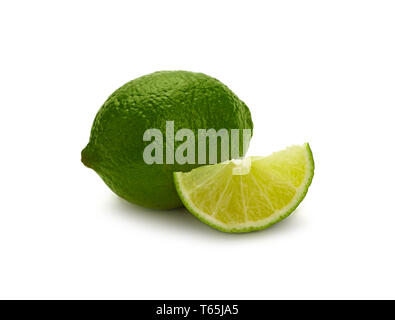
115 149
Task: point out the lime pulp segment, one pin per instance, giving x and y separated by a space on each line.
248 194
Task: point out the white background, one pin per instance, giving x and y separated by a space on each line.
316 71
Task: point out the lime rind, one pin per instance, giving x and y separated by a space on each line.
252 225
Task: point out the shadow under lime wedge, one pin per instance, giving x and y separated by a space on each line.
248 194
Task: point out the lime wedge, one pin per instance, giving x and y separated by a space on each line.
248 194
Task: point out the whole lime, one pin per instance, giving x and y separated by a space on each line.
186 99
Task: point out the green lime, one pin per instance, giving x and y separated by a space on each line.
185 100
249 194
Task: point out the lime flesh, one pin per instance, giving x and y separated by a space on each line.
248 194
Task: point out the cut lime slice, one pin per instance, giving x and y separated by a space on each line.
248 194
